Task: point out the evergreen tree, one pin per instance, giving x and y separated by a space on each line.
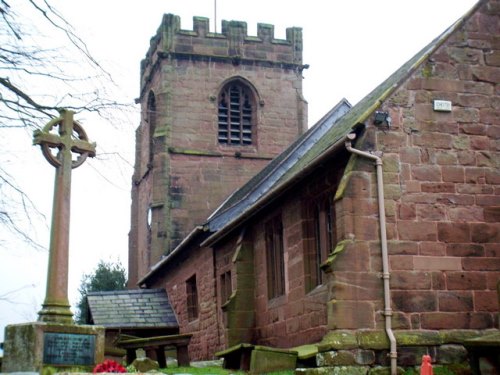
106 277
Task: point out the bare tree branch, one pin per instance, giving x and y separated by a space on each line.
38 77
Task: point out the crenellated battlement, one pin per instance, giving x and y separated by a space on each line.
232 44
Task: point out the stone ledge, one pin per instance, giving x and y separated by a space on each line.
377 339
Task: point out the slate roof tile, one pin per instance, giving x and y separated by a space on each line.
141 308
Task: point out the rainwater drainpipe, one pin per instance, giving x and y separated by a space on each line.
383 241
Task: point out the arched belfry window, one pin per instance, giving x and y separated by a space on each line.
236 114
151 120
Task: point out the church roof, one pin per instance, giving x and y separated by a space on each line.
139 308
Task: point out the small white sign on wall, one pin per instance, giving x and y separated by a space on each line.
442 105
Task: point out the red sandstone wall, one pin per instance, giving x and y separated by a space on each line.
298 317
449 208
442 190
205 341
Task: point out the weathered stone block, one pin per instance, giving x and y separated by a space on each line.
338 339
426 172
417 231
264 360
437 263
356 286
448 354
465 280
437 187
431 213
373 339
464 250
413 301
481 264
453 232
455 301
411 355
335 358
492 214
421 337
410 280
485 232
364 357
350 314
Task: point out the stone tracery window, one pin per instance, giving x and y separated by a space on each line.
236 114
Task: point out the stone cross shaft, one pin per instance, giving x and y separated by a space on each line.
65 138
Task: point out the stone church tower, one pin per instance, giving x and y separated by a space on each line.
215 108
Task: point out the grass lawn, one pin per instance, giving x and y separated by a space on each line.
213 370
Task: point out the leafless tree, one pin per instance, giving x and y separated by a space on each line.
38 77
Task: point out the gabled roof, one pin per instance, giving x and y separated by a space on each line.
140 308
334 137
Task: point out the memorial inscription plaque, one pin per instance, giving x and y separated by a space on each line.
68 349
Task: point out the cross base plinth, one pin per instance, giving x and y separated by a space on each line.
55 313
40 347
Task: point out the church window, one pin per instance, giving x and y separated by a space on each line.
323 237
151 120
226 287
236 114
192 298
275 258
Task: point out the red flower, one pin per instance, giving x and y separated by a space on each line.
109 366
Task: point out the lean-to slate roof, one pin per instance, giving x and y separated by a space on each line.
140 308
335 135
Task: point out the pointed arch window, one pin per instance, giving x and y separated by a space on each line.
236 114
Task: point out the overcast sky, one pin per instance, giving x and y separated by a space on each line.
351 47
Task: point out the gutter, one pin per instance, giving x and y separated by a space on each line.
383 241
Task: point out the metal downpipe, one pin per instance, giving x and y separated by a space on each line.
383 242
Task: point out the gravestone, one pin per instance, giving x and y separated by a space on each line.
54 340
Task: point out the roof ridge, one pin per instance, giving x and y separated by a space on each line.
127 291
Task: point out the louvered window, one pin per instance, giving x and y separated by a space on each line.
235 115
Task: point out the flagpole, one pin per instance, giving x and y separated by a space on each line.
215 14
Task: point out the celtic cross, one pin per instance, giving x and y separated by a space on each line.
60 140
